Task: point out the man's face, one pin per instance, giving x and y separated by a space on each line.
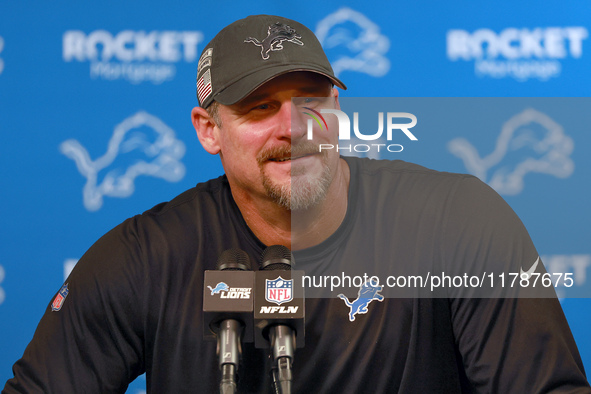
264 147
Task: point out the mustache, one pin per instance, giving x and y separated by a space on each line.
288 150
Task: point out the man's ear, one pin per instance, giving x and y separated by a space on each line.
206 129
335 94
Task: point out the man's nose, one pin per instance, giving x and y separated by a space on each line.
292 124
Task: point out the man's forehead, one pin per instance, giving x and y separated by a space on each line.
305 83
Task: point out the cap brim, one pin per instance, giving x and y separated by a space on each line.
246 85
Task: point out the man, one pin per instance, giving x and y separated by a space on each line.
133 302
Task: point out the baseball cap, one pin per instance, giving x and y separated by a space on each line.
251 51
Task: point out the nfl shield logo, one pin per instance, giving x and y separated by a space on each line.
59 299
278 290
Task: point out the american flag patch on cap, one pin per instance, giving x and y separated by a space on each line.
204 86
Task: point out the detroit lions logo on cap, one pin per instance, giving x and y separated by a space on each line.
277 33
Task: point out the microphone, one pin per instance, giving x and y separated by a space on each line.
228 311
279 312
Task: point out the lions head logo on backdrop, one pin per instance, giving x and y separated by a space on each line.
276 34
529 142
140 145
353 42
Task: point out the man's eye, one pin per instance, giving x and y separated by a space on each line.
309 101
261 107
314 101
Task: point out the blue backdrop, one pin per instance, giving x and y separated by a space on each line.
95 101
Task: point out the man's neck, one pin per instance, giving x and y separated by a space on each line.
297 230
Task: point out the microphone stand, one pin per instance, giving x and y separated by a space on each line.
281 335
229 354
229 319
282 343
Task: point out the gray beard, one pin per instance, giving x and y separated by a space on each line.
299 194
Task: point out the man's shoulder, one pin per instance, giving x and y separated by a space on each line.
366 166
204 195
200 206
178 224
416 185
